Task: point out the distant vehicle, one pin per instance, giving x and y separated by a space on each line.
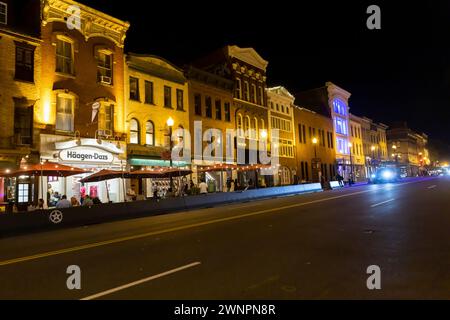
385 175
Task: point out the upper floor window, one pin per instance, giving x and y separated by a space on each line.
239 125
149 92
134 88
341 126
167 97
218 109
104 67
253 94
134 131
64 56
246 91
149 133
3 13
260 96
339 107
208 107
24 62
227 111
106 118
238 92
180 103
64 113
198 104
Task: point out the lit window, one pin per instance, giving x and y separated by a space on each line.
134 131
3 13
247 124
149 133
107 117
341 126
64 56
64 113
339 107
104 67
240 125
23 192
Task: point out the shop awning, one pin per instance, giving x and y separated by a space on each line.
105 175
45 169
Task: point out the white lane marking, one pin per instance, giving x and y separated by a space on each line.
184 227
432 187
138 282
384 202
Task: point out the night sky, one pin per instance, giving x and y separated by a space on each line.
401 72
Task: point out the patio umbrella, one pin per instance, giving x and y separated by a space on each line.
45 169
104 175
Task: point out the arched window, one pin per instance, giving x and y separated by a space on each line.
239 125
246 124
149 133
255 128
263 125
134 131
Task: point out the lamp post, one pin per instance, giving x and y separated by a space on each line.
170 123
372 148
316 161
350 180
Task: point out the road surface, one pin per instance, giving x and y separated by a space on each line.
313 246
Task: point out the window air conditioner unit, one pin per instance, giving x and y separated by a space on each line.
105 80
105 133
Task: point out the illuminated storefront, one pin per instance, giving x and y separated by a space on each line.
92 155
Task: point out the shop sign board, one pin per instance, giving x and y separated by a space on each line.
88 155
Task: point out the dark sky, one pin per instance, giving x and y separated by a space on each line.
401 72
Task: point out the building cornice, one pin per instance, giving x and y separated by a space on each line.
93 23
247 55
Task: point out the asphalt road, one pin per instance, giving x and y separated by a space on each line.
313 246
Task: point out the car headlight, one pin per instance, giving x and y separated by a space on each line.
387 174
373 176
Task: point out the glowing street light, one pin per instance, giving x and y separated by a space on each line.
170 124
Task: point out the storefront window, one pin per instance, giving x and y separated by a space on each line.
23 192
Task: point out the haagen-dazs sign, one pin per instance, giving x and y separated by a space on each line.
86 155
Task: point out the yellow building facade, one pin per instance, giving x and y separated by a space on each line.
356 148
155 90
281 117
315 146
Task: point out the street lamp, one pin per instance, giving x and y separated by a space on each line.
314 141
350 182
170 124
